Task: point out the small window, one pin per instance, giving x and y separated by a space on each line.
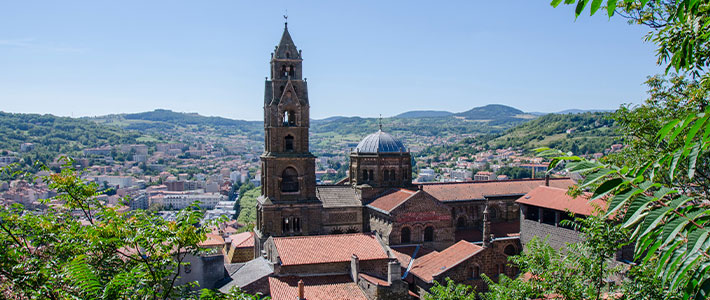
284 73
476 272
386 174
548 216
406 235
429 234
392 175
372 177
510 250
364 175
291 71
288 143
532 213
289 180
288 54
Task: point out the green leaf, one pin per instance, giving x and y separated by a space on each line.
672 228
595 6
619 200
555 3
694 130
692 160
581 4
697 239
667 128
583 166
595 176
680 128
674 163
637 210
652 219
610 7
606 187
676 203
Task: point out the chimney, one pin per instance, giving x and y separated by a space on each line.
301 290
394 271
354 268
547 179
486 227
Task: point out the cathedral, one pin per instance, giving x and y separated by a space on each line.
378 198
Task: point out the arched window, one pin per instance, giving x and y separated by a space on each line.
285 225
288 54
509 250
291 71
288 143
406 235
476 272
297 224
461 222
364 175
386 175
493 213
289 180
392 175
284 73
372 177
429 234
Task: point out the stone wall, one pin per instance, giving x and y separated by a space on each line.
557 236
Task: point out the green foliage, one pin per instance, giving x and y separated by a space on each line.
515 172
450 291
84 249
247 203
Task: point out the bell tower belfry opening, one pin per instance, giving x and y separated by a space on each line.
288 204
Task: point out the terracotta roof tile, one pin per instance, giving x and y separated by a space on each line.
557 199
303 250
390 201
212 240
243 240
457 191
374 280
433 264
338 287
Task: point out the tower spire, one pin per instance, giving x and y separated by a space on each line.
286 18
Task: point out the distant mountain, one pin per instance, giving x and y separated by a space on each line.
169 116
162 121
424 114
581 111
328 119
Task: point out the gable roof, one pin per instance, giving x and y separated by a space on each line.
479 190
243 240
435 263
557 199
315 287
248 273
318 249
390 201
337 196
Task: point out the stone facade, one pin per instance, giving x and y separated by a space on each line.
532 225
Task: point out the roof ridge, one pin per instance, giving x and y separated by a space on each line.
324 235
493 181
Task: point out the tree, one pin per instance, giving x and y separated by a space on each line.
658 196
450 291
100 254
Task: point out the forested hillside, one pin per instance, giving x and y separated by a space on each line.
583 133
52 135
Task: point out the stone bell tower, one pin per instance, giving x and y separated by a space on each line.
288 204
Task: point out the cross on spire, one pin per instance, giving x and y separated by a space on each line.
286 18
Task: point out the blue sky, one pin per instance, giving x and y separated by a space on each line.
364 58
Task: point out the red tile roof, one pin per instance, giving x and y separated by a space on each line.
404 253
481 189
212 240
374 280
392 200
338 287
243 240
433 264
557 199
317 249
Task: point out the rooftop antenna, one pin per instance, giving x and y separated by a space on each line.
380 122
286 18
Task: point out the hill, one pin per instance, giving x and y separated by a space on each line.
583 133
52 135
495 114
424 114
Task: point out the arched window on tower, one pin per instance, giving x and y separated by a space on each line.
288 143
372 176
288 54
285 225
297 224
429 234
393 176
291 71
406 235
284 72
289 180
364 176
386 175
289 118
